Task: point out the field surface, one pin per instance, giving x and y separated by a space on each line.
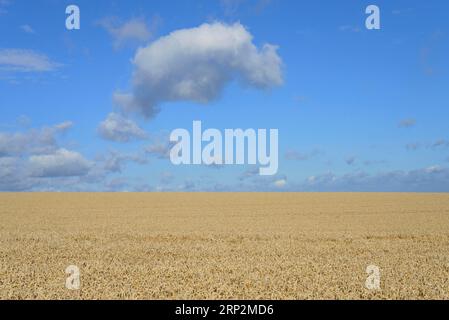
224 246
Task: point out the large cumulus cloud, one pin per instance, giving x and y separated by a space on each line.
196 64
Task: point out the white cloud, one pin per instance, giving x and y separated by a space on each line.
25 61
280 183
62 163
132 31
119 129
64 126
196 64
434 169
27 29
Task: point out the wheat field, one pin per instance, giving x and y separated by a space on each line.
224 245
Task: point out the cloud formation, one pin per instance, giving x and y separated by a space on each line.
430 179
281 183
34 141
196 64
36 160
61 163
20 60
33 160
120 129
27 29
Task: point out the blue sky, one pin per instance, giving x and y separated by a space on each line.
357 109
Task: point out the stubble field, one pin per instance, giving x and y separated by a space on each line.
224 246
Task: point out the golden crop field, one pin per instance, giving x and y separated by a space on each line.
224 246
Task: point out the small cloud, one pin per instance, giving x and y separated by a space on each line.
132 31
413 146
27 29
20 60
434 169
120 129
249 173
407 123
350 160
280 183
440 143
160 146
64 126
